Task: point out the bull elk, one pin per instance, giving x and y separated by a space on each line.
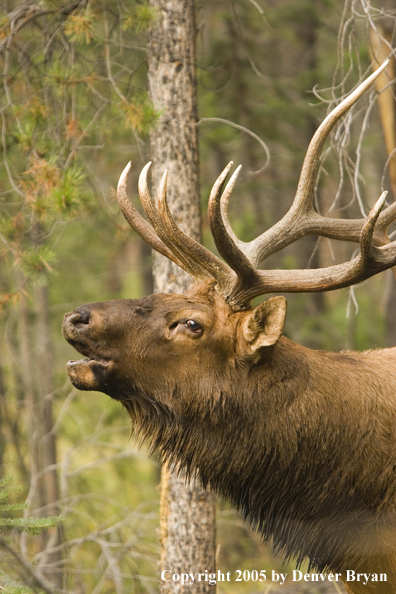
302 442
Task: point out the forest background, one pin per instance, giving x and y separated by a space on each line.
74 110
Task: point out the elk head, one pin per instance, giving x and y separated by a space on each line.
213 327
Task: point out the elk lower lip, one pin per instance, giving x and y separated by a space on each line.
89 374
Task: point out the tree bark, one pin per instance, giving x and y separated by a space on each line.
43 493
380 42
48 484
2 441
187 534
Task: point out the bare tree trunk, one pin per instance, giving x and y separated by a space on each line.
380 44
187 511
47 451
2 441
34 499
43 494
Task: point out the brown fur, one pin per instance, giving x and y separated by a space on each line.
302 442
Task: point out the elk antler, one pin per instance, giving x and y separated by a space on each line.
239 281
164 236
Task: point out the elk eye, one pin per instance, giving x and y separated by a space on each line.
194 326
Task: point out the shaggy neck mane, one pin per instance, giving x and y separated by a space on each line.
267 445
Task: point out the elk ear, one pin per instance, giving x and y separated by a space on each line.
264 324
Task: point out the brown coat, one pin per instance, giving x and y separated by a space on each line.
302 442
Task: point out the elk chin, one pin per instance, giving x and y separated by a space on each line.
89 374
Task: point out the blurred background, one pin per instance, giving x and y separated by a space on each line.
74 110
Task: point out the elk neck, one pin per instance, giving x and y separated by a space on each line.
267 436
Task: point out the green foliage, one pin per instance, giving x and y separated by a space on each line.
35 264
69 197
58 100
140 113
79 27
9 524
29 525
140 18
10 527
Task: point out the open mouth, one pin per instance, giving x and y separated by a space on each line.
95 372
88 353
90 373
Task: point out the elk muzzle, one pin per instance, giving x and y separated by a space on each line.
80 328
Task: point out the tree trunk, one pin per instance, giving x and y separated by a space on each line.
187 511
48 484
380 43
2 440
43 493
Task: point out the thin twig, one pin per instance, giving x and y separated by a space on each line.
247 131
36 578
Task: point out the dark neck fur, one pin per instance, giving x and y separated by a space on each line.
264 446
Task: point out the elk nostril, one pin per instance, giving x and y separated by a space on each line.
80 317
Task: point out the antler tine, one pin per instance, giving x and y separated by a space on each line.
224 204
309 170
226 242
148 203
196 271
385 219
384 255
137 222
367 247
196 256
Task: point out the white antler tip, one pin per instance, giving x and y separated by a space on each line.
163 182
142 184
124 176
228 189
381 201
372 217
375 74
